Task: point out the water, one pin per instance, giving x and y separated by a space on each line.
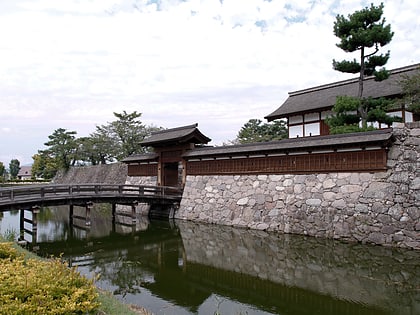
178 267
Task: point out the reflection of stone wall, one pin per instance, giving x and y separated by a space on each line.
373 275
381 208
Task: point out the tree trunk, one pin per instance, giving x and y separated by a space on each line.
362 110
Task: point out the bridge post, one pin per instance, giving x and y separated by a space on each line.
22 225
71 212
113 212
35 210
133 211
89 206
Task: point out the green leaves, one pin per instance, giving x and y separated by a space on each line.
108 143
411 91
362 30
14 167
257 131
32 286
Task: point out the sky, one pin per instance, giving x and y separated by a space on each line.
72 63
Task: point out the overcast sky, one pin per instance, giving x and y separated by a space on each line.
72 63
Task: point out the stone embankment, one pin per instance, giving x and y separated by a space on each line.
115 173
381 208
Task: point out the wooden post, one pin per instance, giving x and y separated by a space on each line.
133 212
71 212
35 211
22 225
89 205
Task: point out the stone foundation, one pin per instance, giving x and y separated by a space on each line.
381 208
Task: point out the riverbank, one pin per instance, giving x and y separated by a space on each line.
109 305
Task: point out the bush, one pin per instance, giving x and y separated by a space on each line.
32 286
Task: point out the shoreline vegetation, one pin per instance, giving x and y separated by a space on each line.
31 284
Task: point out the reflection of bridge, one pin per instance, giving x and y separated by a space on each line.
42 195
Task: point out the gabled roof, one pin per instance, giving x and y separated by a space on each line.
185 134
324 96
304 144
25 171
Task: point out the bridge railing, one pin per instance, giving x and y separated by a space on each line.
57 191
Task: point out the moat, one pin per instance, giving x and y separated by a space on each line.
180 267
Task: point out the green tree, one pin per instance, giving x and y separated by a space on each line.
125 135
364 31
256 131
62 148
2 171
44 166
14 167
411 92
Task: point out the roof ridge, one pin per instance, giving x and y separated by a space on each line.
175 129
352 80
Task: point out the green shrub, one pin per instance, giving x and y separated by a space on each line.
7 251
32 286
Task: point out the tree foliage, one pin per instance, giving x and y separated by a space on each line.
44 166
14 167
62 147
256 131
108 143
124 135
364 31
2 171
411 92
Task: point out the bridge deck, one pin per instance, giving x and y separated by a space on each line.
42 195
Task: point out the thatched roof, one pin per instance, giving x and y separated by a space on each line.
368 139
324 96
185 134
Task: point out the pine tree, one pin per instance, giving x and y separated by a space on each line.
364 31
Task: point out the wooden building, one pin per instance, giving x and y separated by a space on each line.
180 152
166 162
306 110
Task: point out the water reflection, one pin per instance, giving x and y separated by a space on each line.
187 268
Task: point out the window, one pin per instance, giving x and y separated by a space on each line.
312 129
296 131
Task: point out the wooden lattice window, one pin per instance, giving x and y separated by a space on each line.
370 160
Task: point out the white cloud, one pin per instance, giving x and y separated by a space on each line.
71 64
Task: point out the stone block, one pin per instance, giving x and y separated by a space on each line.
329 183
242 201
313 202
380 190
376 238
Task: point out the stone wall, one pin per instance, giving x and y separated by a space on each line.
115 173
141 208
381 208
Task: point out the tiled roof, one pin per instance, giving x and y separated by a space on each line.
304 144
183 134
324 96
25 171
147 157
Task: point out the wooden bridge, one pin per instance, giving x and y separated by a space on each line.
23 197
